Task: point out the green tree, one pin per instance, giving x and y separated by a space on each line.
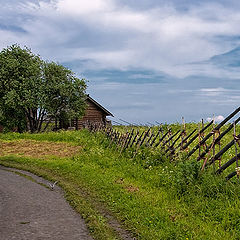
33 91
64 93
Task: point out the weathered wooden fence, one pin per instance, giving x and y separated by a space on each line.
207 139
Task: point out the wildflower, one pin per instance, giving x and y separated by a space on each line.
238 171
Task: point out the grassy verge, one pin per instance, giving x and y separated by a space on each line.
161 201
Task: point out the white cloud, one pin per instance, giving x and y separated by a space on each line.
105 34
212 92
161 39
83 7
218 118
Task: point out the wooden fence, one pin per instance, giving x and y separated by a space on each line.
206 140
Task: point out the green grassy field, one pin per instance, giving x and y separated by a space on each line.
150 196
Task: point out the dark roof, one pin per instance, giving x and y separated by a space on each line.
100 106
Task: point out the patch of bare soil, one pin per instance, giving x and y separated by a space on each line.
38 149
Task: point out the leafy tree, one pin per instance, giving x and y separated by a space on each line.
33 91
64 93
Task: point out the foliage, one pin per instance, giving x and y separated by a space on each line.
19 72
168 200
148 157
33 90
186 174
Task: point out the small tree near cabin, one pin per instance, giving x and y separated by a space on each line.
33 91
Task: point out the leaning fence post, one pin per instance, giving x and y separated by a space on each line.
134 139
183 134
150 138
216 128
129 139
199 140
214 142
124 142
169 138
235 145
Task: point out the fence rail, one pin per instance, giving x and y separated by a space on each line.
203 139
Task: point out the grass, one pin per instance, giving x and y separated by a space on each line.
154 201
144 154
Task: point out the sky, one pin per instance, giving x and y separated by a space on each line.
145 60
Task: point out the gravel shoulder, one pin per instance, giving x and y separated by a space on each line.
29 210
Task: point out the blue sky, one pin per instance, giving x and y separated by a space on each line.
145 60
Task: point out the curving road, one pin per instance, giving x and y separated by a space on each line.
29 211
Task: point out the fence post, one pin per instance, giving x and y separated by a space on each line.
235 145
183 134
214 137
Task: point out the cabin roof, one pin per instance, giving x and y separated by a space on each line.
99 105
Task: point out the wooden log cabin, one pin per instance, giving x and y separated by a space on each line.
94 114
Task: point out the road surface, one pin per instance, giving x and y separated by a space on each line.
30 211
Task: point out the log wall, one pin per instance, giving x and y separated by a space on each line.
93 114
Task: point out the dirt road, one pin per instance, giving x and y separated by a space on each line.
30 211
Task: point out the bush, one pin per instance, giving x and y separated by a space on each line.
149 157
185 175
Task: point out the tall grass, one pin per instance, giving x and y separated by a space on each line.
151 196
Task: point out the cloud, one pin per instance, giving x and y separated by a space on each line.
175 58
116 35
219 118
220 94
212 92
